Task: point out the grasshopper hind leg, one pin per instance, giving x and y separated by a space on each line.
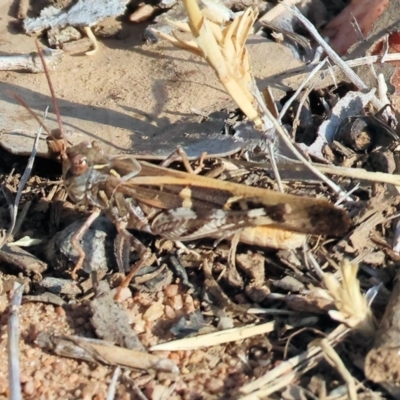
77 237
145 255
180 154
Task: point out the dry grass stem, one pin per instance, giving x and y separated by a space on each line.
355 173
333 356
222 44
309 78
359 174
24 178
21 218
277 10
264 392
285 137
13 343
269 133
216 338
352 306
112 388
302 362
354 78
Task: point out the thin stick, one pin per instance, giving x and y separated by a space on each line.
269 134
21 217
112 388
303 360
13 343
22 182
333 356
300 88
215 338
354 78
354 173
285 137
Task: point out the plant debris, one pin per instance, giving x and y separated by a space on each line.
290 314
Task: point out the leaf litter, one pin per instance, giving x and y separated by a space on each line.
261 330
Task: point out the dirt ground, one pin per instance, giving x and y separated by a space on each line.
131 96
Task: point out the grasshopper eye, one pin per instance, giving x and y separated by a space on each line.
79 164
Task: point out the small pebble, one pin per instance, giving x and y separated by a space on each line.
176 302
159 392
139 326
169 312
3 385
171 290
215 385
124 294
184 370
60 311
131 314
29 388
174 357
189 304
49 360
196 357
73 378
99 373
89 390
154 312
39 375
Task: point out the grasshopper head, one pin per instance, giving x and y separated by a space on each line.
77 161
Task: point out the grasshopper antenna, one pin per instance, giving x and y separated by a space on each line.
53 96
33 114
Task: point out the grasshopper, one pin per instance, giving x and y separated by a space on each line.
182 206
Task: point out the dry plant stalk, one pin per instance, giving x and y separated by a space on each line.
215 338
222 44
352 306
331 354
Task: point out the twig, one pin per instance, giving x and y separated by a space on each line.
354 173
30 62
13 343
303 99
269 134
354 78
301 362
21 218
22 183
333 356
265 392
135 388
396 238
277 10
348 194
215 338
112 388
310 76
285 137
